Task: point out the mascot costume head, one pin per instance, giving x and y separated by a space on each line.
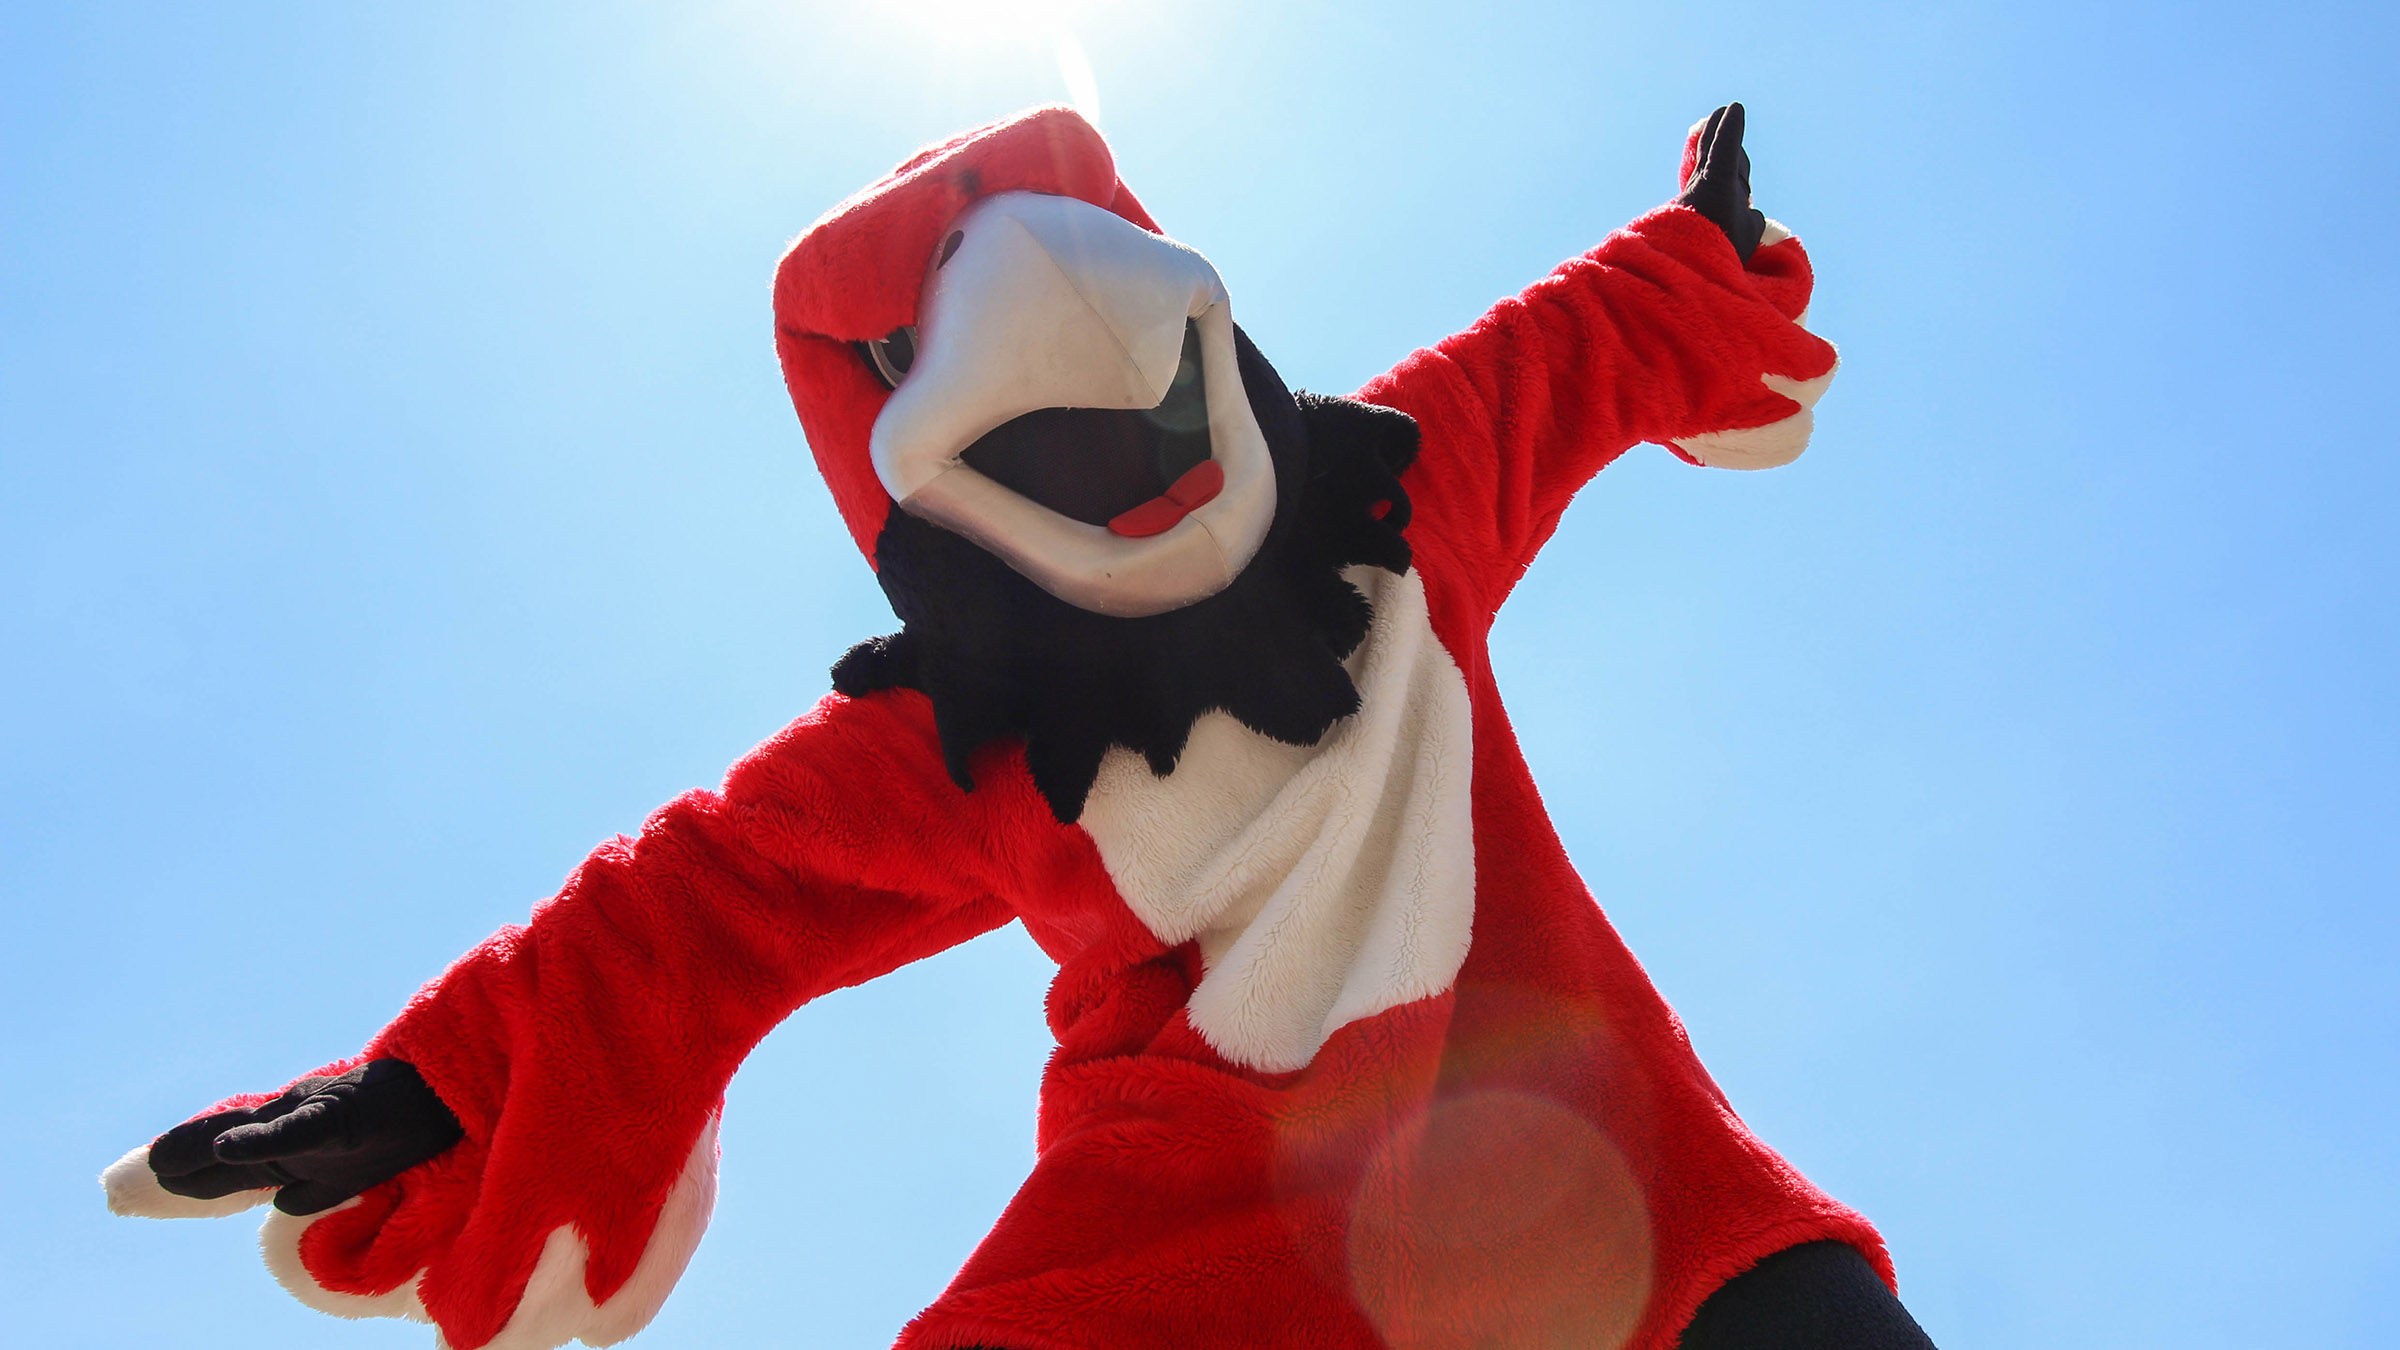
1191 682
1089 497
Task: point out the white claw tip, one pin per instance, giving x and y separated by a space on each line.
133 1190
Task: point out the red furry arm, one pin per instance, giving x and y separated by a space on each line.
1659 334
586 1053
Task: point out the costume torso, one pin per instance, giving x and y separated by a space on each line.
1505 1141
1323 883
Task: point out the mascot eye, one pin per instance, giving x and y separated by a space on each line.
891 354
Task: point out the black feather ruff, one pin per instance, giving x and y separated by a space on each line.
1001 657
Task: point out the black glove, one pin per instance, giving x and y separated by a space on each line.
1720 186
323 1141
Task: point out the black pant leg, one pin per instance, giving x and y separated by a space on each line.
1816 1296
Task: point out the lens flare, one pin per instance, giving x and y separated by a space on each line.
1083 89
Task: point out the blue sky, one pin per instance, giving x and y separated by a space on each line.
398 496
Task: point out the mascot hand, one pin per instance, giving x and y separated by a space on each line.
323 1141
1717 183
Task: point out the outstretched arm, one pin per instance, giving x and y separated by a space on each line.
1682 328
576 1064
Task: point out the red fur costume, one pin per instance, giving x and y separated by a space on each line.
1518 1148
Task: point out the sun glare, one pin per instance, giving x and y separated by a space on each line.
992 20
974 28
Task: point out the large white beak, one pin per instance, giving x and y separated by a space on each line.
1051 302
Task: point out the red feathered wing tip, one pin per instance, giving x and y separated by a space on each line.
857 272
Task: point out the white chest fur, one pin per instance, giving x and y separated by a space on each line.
1325 883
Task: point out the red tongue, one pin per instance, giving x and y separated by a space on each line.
1199 485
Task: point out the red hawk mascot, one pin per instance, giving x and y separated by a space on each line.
1192 682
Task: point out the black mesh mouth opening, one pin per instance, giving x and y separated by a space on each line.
1095 464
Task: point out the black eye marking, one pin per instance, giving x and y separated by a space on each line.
949 247
891 355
